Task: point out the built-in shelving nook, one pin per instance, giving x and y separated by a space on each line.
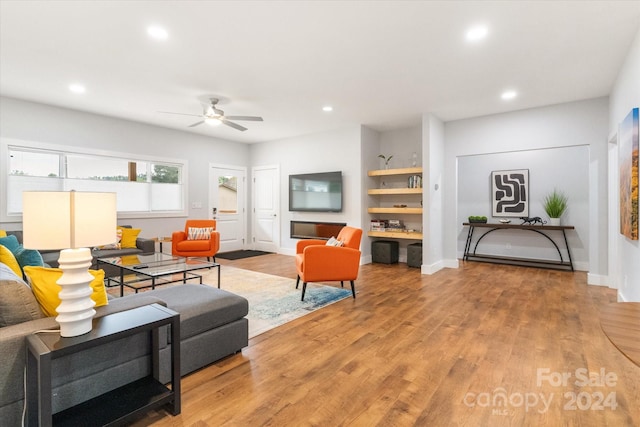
413 195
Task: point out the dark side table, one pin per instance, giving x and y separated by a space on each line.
120 405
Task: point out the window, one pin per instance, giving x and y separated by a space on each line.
144 187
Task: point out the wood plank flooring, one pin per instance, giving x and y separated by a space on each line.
482 345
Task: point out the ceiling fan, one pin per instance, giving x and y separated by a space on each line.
213 116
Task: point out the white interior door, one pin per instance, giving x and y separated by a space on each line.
266 208
227 203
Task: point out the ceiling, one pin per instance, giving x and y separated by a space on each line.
378 63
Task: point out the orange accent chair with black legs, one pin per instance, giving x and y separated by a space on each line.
199 239
318 262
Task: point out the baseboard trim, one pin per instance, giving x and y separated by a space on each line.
597 280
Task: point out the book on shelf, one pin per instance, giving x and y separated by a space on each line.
415 181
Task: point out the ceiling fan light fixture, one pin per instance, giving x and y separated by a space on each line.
212 121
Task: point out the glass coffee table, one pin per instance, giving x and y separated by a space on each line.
136 271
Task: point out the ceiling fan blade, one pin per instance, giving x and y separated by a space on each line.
233 125
196 124
180 114
249 118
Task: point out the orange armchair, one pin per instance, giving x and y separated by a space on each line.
205 244
317 262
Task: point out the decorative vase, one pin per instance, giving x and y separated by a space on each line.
554 221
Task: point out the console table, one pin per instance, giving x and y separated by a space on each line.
562 264
118 406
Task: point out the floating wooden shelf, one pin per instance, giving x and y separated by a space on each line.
401 171
396 235
374 191
396 210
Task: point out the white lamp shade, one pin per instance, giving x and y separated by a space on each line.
68 219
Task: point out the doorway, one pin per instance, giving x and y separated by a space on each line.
266 208
227 205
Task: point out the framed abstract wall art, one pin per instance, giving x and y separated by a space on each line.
628 170
510 193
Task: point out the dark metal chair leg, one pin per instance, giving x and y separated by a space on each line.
353 289
341 284
298 282
304 288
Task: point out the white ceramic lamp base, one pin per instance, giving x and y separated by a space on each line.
75 312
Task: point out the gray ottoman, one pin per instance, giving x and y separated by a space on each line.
212 325
384 251
414 255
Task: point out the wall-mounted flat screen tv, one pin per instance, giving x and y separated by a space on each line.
315 192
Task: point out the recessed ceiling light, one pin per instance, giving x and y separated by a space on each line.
510 94
77 88
327 108
477 33
158 33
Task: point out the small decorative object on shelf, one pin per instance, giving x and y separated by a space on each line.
504 221
478 219
386 160
532 220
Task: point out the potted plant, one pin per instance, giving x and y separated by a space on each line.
477 219
555 204
386 160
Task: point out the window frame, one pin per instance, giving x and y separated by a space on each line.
8 143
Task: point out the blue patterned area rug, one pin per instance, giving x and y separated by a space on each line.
274 300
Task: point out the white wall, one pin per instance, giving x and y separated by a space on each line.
564 125
321 152
571 176
433 195
401 144
625 95
370 143
41 123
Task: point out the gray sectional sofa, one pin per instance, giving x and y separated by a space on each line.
212 326
143 246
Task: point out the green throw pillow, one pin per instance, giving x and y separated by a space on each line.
31 257
10 242
23 256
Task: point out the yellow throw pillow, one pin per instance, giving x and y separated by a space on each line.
129 236
7 258
3 233
129 260
43 283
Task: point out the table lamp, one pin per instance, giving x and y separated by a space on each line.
72 221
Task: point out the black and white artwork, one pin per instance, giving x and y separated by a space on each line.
510 193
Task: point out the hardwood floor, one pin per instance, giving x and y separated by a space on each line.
482 345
